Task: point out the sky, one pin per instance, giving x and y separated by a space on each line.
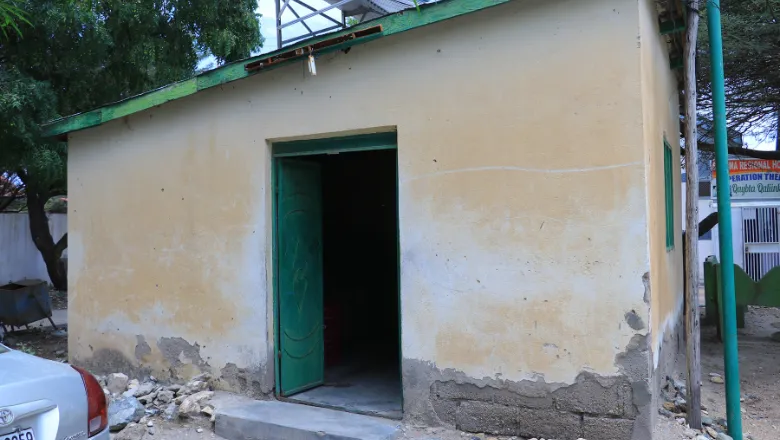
267 12
758 143
268 20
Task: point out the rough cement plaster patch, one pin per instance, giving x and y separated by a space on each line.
250 381
634 320
178 352
107 361
549 424
671 355
593 394
449 397
451 390
635 363
604 428
141 348
487 417
646 283
511 420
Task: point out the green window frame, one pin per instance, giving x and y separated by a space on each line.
669 194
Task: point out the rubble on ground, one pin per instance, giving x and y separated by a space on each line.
675 407
132 402
123 411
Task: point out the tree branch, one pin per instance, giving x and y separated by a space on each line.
61 245
707 223
6 201
740 151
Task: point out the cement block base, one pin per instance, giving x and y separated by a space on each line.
287 421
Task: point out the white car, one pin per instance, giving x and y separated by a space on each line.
46 400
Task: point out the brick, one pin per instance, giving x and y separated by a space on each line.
487 417
607 429
549 423
445 410
533 398
594 395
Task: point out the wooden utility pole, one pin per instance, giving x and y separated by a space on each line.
692 329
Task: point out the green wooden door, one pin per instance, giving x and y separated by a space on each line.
299 241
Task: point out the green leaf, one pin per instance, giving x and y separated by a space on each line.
10 14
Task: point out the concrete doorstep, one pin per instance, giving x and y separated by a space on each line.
271 420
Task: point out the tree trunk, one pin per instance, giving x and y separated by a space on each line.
41 236
690 254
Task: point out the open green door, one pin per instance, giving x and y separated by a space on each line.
300 294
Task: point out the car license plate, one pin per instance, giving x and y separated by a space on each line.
24 434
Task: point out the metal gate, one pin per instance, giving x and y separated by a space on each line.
762 240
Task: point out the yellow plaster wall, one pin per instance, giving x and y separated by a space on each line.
522 197
660 119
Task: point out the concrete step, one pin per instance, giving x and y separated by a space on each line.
272 420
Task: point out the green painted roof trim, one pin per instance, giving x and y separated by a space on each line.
391 24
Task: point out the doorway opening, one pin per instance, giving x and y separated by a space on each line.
339 333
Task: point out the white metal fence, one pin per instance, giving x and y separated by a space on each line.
19 258
761 240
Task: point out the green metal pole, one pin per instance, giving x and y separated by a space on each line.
730 356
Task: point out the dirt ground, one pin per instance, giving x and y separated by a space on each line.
759 354
163 430
59 299
759 363
42 342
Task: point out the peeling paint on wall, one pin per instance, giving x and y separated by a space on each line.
594 406
142 349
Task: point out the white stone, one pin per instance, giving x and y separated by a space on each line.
165 396
147 399
189 408
201 396
197 385
199 430
143 389
116 383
